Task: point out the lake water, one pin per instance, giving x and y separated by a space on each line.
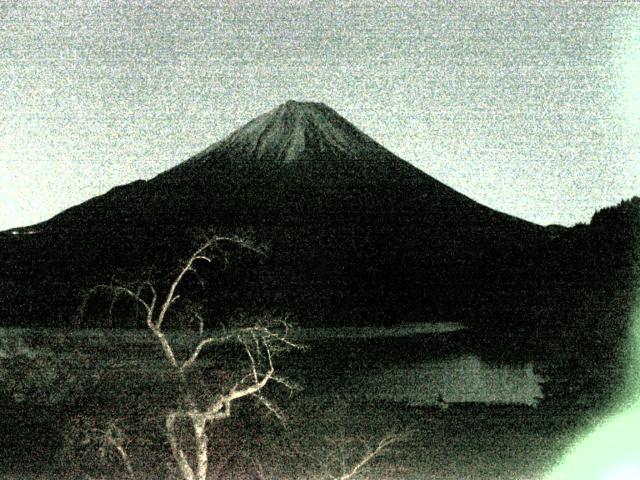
415 364
462 379
407 330
412 364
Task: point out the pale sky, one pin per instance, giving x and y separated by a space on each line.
531 108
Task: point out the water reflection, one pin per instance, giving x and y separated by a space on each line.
465 378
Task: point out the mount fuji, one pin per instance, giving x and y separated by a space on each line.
356 235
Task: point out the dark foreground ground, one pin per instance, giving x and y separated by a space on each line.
57 387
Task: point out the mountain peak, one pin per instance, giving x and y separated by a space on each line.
302 114
294 107
295 104
294 131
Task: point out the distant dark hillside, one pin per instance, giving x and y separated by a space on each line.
581 319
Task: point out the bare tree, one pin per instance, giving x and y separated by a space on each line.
260 341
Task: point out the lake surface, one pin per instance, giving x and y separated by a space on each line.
316 333
456 380
414 365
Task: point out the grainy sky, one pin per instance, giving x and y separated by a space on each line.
532 108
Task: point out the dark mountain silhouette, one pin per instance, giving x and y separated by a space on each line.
356 236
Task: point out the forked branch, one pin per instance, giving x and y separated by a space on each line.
369 455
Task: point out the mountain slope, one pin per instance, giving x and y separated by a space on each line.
356 234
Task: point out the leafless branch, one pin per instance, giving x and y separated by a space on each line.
254 372
111 440
271 407
203 343
285 382
236 392
118 290
371 453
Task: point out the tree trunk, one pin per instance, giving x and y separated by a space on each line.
202 454
178 454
